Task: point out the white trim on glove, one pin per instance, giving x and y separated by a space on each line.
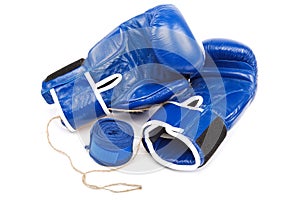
60 111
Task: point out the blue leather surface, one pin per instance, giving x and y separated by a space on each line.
193 122
228 80
154 52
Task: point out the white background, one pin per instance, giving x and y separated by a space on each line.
258 159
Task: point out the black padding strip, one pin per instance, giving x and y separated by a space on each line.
65 70
211 138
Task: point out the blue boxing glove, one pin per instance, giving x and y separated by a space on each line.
144 61
183 136
228 80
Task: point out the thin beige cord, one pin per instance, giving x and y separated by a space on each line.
105 187
58 150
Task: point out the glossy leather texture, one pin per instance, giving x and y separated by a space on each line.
228 80
142 62
227 84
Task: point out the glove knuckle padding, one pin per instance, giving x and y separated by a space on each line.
167 36
145 60
228 80
225 49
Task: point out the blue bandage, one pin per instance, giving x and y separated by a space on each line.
111 142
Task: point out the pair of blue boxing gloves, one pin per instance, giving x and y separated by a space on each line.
154 59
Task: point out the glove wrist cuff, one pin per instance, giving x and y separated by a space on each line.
154 130
182 137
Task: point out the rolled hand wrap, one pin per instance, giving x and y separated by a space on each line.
111 142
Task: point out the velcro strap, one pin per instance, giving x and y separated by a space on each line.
211 138
65 69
